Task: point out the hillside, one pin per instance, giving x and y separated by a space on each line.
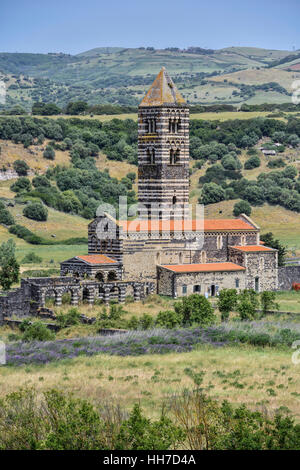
118 75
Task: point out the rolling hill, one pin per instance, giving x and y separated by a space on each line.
119 75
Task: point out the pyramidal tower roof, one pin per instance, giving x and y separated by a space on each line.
163 92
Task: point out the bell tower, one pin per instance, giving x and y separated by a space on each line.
163 151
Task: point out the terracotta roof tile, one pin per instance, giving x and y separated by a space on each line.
207 267
207 225
162 92
96 259
251 248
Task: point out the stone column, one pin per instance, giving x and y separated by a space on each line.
106 295
122 293
136 292
74 297
58 296
91 296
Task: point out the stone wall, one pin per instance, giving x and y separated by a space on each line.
287 275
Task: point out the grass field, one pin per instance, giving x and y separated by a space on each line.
239 374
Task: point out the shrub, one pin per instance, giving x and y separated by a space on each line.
41 181
195 309
36 211
31 258
252 162
6 218
139 433
168 319
227 301
267 300
21 167
37 331
22 184
276 163
49 153
72 317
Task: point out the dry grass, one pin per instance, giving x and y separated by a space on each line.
37 163
263 75
240 375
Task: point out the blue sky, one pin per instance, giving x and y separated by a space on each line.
74 26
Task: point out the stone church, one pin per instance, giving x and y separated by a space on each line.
165 246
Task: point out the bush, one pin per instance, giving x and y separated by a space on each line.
36 211
276 163
72 317
168 319
41 181
6 218
195 309
21 167
22 184
49 153
241 207
253 162
31 258
36 331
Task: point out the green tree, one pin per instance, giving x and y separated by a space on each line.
268 301
227 301
211 193
9 272
269 240
195 309
248 303
241 207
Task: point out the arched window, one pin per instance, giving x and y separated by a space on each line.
203 257
219 242
243 240
172 157
180 258
174 200
158 257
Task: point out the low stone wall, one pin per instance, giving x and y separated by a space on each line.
287 275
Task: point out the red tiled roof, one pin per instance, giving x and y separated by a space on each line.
96 259
207 267
261 242
185 225
251 248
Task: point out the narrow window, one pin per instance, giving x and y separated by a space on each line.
243 240
184 290
174 199
180 258
171 157
197 289
257 284
237 283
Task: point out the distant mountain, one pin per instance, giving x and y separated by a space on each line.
120 75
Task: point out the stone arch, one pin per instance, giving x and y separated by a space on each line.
99 276
112 276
